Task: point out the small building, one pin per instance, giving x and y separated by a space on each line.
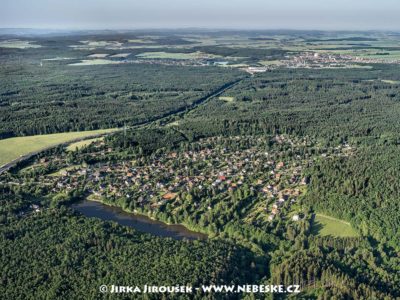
296 218
169 196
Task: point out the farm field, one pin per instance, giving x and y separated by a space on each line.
95 62
328 226
18 44
13 148
166 55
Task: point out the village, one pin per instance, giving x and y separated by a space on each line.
202 175
306 59
319 60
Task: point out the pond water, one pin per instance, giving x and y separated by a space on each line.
138 222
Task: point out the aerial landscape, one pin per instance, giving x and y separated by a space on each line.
204 158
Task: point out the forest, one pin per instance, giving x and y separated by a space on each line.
49 99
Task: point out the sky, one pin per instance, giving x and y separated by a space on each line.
224 14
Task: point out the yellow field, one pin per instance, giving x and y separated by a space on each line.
14 148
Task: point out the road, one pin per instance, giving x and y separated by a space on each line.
186 109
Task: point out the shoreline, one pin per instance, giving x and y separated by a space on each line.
140 214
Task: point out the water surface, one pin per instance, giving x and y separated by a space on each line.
138 222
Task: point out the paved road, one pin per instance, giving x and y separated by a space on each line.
195 104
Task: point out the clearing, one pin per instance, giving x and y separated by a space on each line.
81 144
94 62
18 44
227 99
167 55
121 55
13 148
98 55
328 226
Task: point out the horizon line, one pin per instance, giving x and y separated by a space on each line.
199 28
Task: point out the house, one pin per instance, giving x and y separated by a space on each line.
169 196
274 210
305 180
265 189
35 207
296 218
64 173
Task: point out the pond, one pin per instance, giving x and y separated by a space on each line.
139 222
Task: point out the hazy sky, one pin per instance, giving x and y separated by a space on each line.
248 14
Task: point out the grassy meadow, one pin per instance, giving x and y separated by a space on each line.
81 144
13 148
324 226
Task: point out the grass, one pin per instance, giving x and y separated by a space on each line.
270 62
391 81
17 44
61 171
328 226
91 45
140 41
81 144
98 55
174 123
13 148
121 55
94 62
166 55
227 99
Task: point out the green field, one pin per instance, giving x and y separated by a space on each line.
167 55
17 44
81 144
94 62
328 226
227 99
13 148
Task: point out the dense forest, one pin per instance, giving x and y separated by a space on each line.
42 100
59 254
